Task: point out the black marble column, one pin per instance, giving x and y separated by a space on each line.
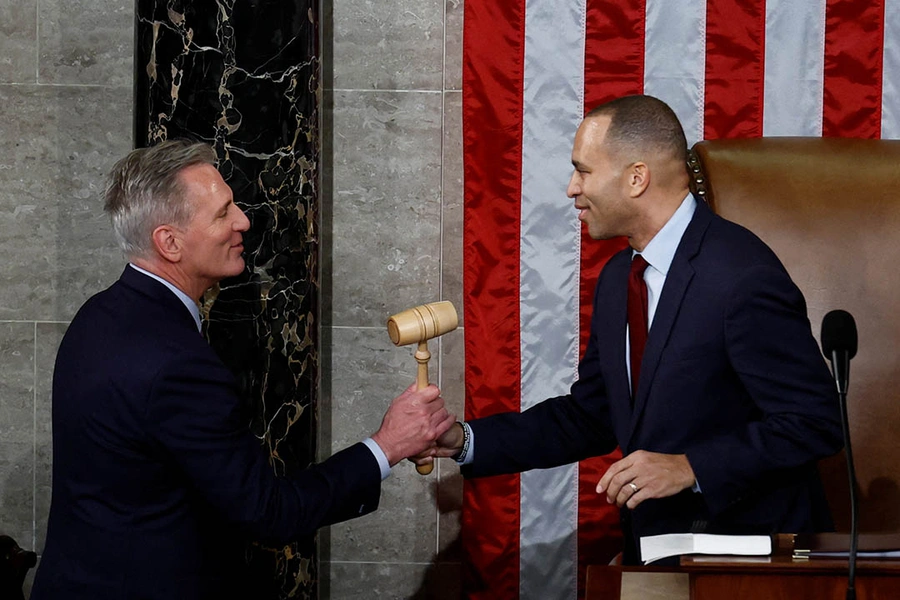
243 75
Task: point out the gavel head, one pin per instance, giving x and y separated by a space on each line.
422 323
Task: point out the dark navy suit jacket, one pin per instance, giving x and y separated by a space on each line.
731 376
157 479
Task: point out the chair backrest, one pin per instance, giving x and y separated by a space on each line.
830 209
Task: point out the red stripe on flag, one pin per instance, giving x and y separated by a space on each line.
613 67
854 37
613 50
494 41
735 59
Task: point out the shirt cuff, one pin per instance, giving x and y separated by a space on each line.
380 456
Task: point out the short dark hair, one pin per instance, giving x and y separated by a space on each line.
144 191
641 124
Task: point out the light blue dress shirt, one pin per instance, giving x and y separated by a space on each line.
659 253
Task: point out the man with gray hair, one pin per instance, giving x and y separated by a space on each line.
155 471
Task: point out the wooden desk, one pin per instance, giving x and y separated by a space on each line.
776 577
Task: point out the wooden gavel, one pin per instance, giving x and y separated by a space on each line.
417 326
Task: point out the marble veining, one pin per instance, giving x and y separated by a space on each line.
244 77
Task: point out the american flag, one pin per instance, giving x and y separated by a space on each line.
729 68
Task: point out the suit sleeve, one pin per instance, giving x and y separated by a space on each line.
194 415
555 432
772 351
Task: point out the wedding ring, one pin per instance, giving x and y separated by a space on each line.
633 487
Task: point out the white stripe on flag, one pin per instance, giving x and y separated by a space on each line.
890 97
794 67
549 263
675 60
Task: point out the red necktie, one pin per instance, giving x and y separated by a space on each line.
637 318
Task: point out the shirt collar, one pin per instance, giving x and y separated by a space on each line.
660 252
185 299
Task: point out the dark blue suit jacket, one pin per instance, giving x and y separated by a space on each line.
157 479
731 376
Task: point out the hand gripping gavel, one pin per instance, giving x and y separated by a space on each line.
417 326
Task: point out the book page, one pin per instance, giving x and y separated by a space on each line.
750 545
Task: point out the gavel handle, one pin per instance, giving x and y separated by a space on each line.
422 357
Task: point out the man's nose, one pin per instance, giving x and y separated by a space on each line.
573 188
243 223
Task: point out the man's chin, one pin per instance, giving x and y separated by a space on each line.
598 235
238 268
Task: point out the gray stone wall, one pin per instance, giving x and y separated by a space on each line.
392 239
65 116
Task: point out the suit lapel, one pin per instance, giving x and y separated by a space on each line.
614 315
677 280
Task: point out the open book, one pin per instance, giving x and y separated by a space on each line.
654 547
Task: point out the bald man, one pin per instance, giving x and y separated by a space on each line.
724 405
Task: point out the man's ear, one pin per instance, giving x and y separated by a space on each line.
638 178
167 243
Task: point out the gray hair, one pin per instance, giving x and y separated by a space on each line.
144 191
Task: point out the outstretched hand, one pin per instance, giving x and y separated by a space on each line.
643 475
412 424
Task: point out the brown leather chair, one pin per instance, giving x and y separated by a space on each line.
830 209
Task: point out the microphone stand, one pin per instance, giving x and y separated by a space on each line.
851 473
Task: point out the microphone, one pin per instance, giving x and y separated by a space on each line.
839 343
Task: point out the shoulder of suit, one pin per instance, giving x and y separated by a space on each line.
121 314
729 242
